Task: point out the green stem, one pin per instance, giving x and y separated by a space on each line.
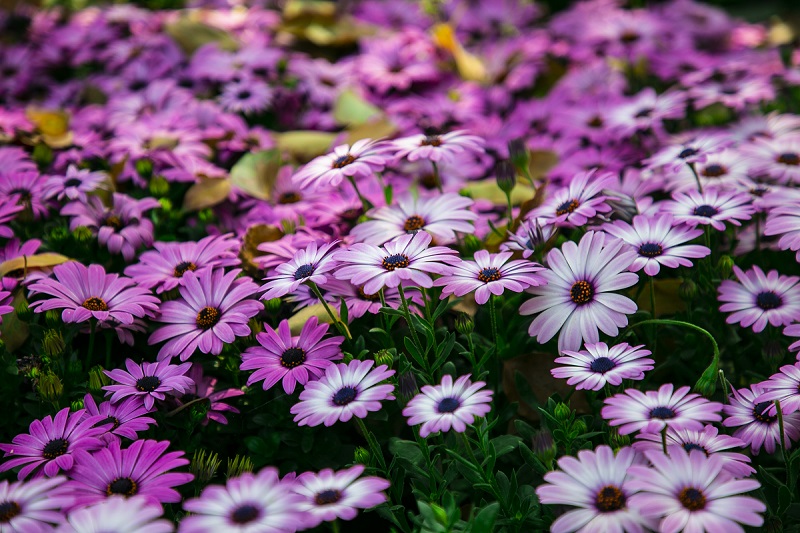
374 447
487 478
653 330
365 204
407 315
696 177
510 210
341 326
90 354
664 439
493 318
782 430
437 178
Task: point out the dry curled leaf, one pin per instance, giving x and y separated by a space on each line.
255 173
191 35
52 124
30 262
255 235
206 193
304 145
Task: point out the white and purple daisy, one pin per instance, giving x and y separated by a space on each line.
126 418
75 185
598 365
758 299
437 148
784 221
363 159
531 234
793 331
148 381
783 386
307 265
136 514
573 205
9 209
756 426
34 505
449 405
711 207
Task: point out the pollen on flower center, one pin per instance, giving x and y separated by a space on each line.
207 317
431 140
581 292
651 249
113 221
768 300
182 268
55 448
9 510
344 396
395 261
122 485
714 171
602 365
414 223
293 357
693 499
303 271
148 384
245 514
760 413
370 297
609 499
663 413
110 420
689 446
95 303
343 161
705 211
448 405
789 158
489 274
327 497
567 207
289 198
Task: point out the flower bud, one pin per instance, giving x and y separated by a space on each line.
725 266
205 216
407 385
82 234
506 176
53 318
773 352
59 234
53 342
384 357
158 186
687 290
34 372
144 167
472 244
77 405
42 155
619 441
273 305
518 155
24 312
238 465
544 447
166 204
464 324
288 226
440 513
97 379
204 465
578 427
707 384
361 456
623 207
49 387
562 412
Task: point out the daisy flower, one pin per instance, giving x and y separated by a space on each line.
27 188
203 387
346 390
213 310
329 495
437 148
598 365
490 274
652 411
756 426
33 505
793 331
597 483
784 222
9 209
140 469
785 387
448 405
407 258
306 265
532 233
6 298
727 169
52 442
777 158
577 298
248 503
363 159
75 185
658 241
574 205
757 299
119 514
162 269
149 381
291 359
126 418
712 206
689 491
709 441
440 215
246 97
88 292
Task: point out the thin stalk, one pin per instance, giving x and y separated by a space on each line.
374 447
341 326
664 439
437 178
365 204
782 430
696 177
493 318
90 354
510 210
407 315
653 330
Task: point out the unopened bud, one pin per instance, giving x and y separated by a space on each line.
725 266
464 324
562 412
273 305
144 167
361 456
506 176
24 312
53 318
620 441
578 427
518 155
687 290
53 342
407 385
238 465
384 357
472 244
204 465
544 447
205 216
49 387
98 379
166 204
440 513
59 234
76 405
707 384
82 234
158 186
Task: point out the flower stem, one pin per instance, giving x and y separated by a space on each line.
341 326
365 204
437 178
696 177
664 439
493 318
407 315
782 430
90 354
374 447
653 330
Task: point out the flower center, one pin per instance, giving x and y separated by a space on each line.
705 211
289 198
122 485
692 499
664 413
344 396
395 261
327 497
651 249
148 384
760 413
609 499
55 448
24 195
414 223
244 95
689 446
489 274
245 514
72 182
768 300
567 207
714 171
113 221
95 303
431 140
343 161
789 158
581 292
629 37
207 317
9 510
303 271
687 152
293 357
448 405
369 297
595 122
110 420
181 268
602 365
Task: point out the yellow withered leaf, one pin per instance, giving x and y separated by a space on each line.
298 320
541 162
376 129
351 109
50 122
305 144
191 35
255 235
255 173
488 190
469 66
206 193
31 262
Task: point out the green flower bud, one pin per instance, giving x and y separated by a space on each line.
204 465
206 216
273 305
579 427
144 167
347 357
544 447
472 244
407 385
506 176
24 313
725 266
82 234
773 352
361 456
77 405
440 513
518 155
562 412
158 186
42 155
687 290
97 379
384 357
166 204
49 387
53 318
619 441
53 342
288 226
238 465
464 324
59 234
34 372
256 327
707 384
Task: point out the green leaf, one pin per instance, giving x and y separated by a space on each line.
505 444
525 430
532 460
414 351
769 478
785 497
255 173
351 109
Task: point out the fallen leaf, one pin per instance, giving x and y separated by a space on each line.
31 262
206 193
298 320
540 163
191 35
305 144
13 331
489 190
53 122
376 129
255 235
351 109
255 173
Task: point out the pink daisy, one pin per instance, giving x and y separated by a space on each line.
448 405
363 159
712 206
306 265
126 418
758 299
598 365
33 506
437 148
150 381
574 205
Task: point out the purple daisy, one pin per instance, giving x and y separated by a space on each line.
574 205
88 292
213 310
793 331
712 206
598 365
291 359
758 299
490 274
407 258
75 185
246 96
149 381
52 442
346 390
437 148
448 405
691 492
329 495
756 426
783 386
361 160
652 411
577 298
27 187
658 241
118 514
203 388
6 298
598 484
140 469
163 268
9 209
250 502
531 234
782 221
126 417
32 506
306 265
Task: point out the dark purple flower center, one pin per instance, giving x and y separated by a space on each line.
595 122
581 292
244 94
293 357
109 420
207 317
629 37
609 499
25 195
327 497
693 499
644 113
689 446
414 223
55 448
303 271
245 514
687 152
369 297
714 171
760 413
395 261
113 221
768 300
9 510
343 161
431 140
489 274
95 303
567 207
663 413
183 267
73 182
705 211
148 383
289 198
448 405
122 485
651 249
602 365
789 158
344 396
